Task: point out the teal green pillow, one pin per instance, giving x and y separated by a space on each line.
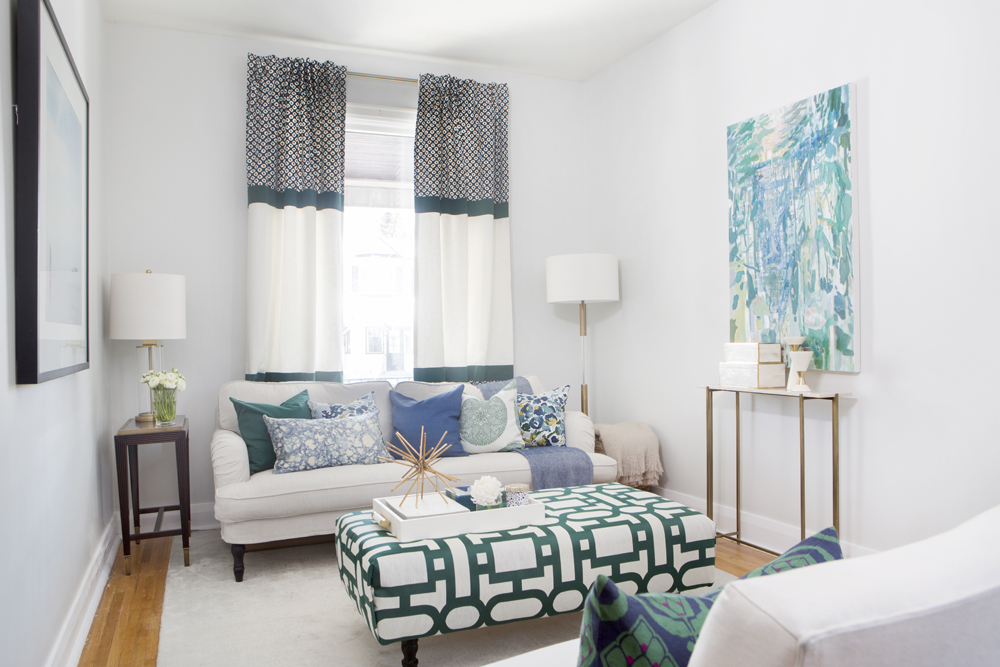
250 417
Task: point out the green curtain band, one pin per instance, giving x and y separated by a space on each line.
461 206
463 373
261 194
319 376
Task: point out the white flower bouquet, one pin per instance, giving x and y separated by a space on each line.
486 491
164 380
164 386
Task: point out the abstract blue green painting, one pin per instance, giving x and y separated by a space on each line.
793 238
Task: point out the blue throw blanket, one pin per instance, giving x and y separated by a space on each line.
556 467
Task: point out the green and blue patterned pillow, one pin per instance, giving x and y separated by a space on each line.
491 425
361 406
542 418
308 444
659 629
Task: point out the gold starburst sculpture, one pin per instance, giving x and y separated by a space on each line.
420 462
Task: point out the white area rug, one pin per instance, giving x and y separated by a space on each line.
291 609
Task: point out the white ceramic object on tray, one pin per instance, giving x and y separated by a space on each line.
449 525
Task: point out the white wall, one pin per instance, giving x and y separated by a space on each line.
919 446
57 472
176 168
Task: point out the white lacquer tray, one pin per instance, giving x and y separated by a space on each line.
448 525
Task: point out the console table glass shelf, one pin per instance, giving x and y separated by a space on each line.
833 398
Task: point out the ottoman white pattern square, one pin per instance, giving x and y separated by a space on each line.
407 590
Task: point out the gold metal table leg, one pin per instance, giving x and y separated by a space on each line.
738 496
836 462
802 465
709 446
128 565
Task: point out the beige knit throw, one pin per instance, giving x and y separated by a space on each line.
636 449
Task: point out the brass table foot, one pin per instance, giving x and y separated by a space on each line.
128 565
137 534
187 556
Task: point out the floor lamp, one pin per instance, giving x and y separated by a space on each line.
585 278
148 307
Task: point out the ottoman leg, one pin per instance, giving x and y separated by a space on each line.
238 551
409 652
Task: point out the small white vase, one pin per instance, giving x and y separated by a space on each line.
797 377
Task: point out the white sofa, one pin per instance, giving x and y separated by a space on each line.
930 603
266 507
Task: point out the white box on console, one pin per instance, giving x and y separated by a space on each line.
448 525
754 353
751 376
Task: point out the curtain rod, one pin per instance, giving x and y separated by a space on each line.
400 79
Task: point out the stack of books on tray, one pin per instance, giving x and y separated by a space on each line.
752 366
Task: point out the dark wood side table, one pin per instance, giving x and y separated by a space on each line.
127 442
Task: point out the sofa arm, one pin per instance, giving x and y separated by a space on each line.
579 431
230 461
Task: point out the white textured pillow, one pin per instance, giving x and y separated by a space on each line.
491 426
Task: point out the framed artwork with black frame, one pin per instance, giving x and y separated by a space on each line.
52 310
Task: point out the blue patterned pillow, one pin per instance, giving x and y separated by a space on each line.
307 444
661 628
542 418
361 406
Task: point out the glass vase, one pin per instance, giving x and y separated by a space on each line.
164 405
488 507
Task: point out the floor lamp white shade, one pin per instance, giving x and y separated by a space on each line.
582 278
589 277
148 307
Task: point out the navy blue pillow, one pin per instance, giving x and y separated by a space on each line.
437 415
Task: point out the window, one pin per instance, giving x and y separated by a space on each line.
374 340
379 242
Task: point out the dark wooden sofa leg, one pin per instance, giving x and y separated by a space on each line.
238 551
409 652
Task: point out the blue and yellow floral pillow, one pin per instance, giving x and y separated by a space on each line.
308 444
361 406
542 418
652 629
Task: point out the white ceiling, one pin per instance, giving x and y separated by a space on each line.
567 39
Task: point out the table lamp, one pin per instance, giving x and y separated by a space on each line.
148 307
584 278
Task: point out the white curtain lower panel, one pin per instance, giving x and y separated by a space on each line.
294 293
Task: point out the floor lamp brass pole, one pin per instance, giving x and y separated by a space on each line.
583 357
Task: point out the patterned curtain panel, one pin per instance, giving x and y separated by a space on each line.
464 326
295 201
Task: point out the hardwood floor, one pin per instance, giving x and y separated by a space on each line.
126 628
738 559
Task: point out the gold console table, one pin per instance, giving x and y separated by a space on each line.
802 398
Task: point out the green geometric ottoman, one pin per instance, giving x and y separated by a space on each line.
407 590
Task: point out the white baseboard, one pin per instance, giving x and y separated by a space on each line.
203 517
768 533
68 647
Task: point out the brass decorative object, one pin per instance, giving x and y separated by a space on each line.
420 461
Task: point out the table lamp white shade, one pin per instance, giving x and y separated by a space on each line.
147 306
589 277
